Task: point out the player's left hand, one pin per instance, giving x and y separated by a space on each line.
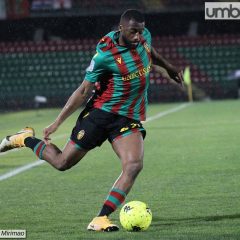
47 131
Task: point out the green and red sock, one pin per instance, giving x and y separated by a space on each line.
36 145
115 198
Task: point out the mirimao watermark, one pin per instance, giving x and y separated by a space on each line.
222 10
12 234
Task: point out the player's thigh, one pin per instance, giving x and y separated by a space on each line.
71 154
130 148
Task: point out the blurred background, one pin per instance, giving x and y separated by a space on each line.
46 45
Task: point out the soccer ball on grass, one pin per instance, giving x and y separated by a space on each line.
135 216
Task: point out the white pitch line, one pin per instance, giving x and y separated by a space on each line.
40 162
167 112
21 169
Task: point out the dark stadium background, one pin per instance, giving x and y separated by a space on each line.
45 47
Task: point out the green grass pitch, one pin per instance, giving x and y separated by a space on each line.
190 180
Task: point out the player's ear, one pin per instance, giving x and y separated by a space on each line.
120 27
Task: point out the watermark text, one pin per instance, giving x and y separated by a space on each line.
12 234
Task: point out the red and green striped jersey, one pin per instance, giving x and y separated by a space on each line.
123 75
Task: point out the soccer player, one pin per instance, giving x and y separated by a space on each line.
121 69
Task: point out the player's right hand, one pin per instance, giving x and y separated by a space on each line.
47 131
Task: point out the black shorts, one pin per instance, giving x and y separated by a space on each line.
94 126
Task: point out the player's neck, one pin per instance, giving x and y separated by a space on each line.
121 41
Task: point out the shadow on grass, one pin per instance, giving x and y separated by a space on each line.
177 221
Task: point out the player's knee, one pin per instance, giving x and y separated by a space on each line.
62 166
134 168
138 167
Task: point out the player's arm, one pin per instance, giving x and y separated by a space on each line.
173 72
77 98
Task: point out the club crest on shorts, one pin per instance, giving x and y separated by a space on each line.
80 134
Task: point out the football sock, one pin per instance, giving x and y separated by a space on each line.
36 145
115 198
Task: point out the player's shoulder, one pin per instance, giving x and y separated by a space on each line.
106 43
146 33
103 49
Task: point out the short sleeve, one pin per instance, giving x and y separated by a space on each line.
96 69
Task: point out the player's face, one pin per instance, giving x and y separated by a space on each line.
131 32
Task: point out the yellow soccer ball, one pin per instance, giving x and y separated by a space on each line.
135 216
